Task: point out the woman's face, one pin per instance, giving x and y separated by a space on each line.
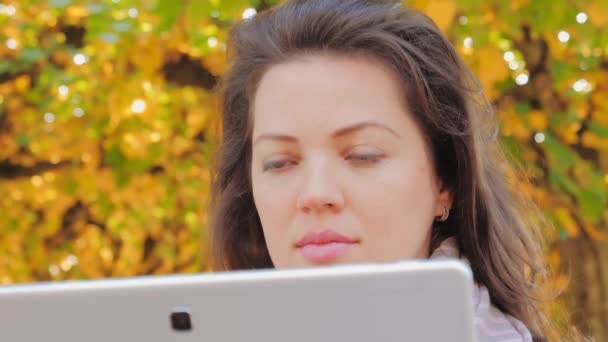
340 170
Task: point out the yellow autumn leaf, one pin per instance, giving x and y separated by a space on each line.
134 145
554 258
9 146
215 62
560 283
442 12
591 140
196 120
569 134
490 69
566 221
596 10
594 232
22 84
538 120
147 54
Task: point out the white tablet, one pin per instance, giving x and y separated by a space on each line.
405 301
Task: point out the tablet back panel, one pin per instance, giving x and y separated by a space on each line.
406 301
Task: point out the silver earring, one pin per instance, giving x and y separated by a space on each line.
446 214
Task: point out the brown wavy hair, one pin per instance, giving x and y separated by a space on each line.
491 223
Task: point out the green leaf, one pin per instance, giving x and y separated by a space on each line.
114 157
136 166
504 85
198 10
70 185
591 205
560 180
600 131
104 202
563 234
522 108
560 156
97 8
561 72
32 54
60 3
121 177
6 67
234 6
513 148
23 139
168 11
109 38
12 226
96 26
122 26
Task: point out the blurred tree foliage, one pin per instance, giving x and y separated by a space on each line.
106 109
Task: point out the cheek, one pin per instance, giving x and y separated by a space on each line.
406 186
274 203
397 208
273 198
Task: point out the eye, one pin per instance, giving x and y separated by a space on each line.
277 165
365 157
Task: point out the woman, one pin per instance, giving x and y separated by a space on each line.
353 132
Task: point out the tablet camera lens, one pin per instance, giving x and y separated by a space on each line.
180 319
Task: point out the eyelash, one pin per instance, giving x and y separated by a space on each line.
365 158
270 166
356 158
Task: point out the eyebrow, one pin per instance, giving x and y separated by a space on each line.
337 134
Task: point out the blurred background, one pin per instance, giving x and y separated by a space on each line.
107 116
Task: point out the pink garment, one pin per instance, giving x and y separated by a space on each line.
491 324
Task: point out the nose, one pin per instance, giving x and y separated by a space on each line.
320 190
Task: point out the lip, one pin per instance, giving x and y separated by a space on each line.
324 245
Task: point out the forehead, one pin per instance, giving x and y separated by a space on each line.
328 91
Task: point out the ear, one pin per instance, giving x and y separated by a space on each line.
444 199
